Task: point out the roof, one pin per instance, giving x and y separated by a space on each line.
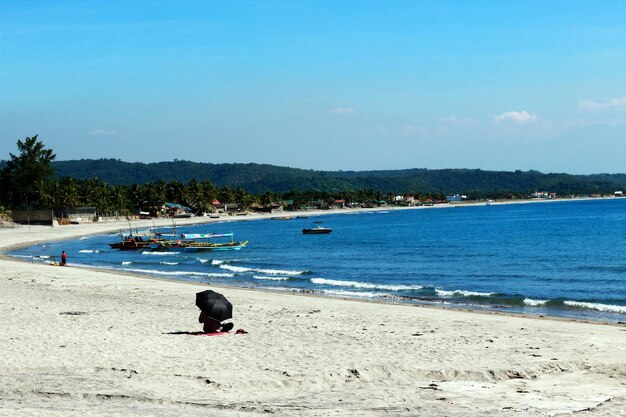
178 206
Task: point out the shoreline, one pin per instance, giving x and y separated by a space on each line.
110 226
79 341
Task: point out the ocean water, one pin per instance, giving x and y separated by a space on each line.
558 258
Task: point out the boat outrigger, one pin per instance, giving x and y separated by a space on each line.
192 242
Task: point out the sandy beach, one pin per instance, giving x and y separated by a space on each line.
79 342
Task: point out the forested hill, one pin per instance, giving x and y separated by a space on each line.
258 178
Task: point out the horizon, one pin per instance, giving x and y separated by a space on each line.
353 86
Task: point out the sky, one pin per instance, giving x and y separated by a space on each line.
324 85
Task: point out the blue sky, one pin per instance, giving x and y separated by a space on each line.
351 85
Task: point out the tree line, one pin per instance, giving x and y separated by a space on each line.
28 181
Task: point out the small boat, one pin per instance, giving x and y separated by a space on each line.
131 243
193 242
317 230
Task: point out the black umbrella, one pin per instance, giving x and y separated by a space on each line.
214 305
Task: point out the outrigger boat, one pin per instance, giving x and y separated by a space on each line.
192 242
131 242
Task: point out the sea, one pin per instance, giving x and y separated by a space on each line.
564 258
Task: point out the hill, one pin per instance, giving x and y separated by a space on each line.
258 178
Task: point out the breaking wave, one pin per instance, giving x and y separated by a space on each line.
596 306
270 278
179 273
534 303
365 285
241 269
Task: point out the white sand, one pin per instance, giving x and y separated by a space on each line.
77 342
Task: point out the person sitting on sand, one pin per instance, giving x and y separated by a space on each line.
63 258
213 326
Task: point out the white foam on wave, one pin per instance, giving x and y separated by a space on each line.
217 262
270 278
444 293
84 238
280 272
88 251
169 263
178 273
202 260
236 268
355 294
242 269
365 285
596 306
127 262
534 303
159 253
40 256
30 257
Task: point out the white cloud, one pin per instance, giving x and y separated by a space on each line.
607 104
102 132
521 117
343 110
453 120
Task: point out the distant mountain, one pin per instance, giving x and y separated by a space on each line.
258 178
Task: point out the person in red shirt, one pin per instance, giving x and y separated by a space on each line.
63 258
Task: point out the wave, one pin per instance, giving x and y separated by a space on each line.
153 253
596 306
366 285
203 261
178 273
444 293
355 294
534 303
169 263
241 269
88 251
270 278
127 262
217 262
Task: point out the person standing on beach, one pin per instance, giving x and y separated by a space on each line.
63 258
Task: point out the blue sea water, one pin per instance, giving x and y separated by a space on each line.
560 258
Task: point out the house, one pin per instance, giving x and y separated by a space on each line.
175 210
618 194
456 198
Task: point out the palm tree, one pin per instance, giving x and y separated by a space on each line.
119 199
68 193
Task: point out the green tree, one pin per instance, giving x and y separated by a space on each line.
23 181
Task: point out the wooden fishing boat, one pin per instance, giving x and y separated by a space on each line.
131 243
192 242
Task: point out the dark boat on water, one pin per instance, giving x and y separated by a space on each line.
317 230
131 243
